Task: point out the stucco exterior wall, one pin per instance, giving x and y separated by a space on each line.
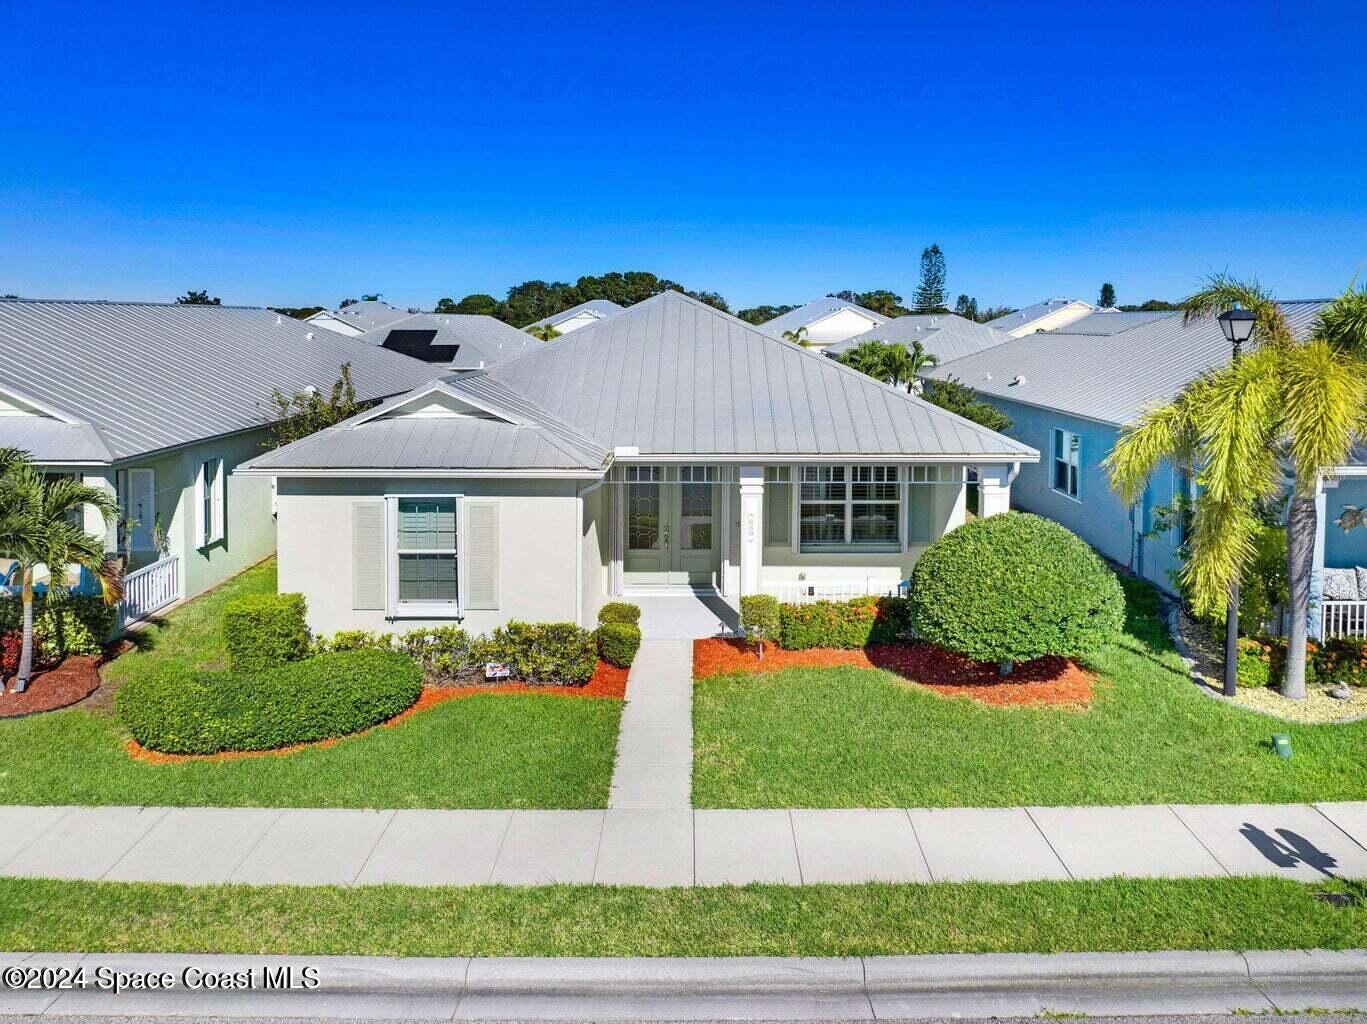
837 327
1343 550
595 555
540 529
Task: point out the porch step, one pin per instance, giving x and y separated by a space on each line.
668 590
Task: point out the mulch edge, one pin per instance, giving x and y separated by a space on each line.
87 665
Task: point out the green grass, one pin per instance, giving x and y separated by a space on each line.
510 750
853 737
1226 913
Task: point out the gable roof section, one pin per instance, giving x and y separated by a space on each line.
371 313
145 377
1022 318
463 341
1113 322
604 308
673 376
946 336
814 312
1110 377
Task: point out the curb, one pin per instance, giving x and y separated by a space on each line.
776 988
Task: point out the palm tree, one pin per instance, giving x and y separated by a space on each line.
544 332
889 362
798 337
1236 425
39 526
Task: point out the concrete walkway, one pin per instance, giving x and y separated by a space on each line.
679 847
705 988
654 770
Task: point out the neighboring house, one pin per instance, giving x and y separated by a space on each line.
457 341
157 404
586 314
1339 586
671 450
1043 316
1069 392
826 321
358 317
947 336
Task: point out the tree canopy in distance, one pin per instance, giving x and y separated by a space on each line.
930 290
1107 298
194 298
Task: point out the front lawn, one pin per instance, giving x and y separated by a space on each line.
817 920
852 737
497 750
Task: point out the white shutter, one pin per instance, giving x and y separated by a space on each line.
220 484
368 548
480 554
201 526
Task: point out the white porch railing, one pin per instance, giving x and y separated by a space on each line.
805 592
1343 618
148 589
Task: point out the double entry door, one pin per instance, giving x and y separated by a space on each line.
673 525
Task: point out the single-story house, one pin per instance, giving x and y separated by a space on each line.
1070 391
947 336
158 404
1043 316
583 315
672 450
358 317
825 321
456 341
1340 583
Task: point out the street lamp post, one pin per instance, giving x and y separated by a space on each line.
1238 325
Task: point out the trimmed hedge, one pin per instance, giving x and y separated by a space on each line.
620 611
540 652
846 625
75 624
178 710
1343 660
261 631
618 643
761 611
1015 587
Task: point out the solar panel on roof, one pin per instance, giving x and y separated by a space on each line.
418 345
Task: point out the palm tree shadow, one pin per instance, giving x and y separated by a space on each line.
1288 849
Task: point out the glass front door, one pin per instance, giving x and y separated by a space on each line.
671 526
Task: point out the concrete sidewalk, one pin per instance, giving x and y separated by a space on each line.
654 769
853 988
680 847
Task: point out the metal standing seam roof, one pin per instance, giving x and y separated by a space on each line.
1110 377
371 313
1029 314
811 312
146 377
605 308
481 341
946 336
1105 322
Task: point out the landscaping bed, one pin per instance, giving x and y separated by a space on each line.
72 681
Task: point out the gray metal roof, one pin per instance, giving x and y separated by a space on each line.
146 377
480 341
817 309
1109 377
371 313
605 308
1028 315
673 376
51 440
946 336
1113 322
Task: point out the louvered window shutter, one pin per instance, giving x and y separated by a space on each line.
481 555
367 556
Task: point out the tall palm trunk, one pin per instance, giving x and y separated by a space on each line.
26 651
1301 522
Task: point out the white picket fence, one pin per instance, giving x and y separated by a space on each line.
1343 618
148 589
804 592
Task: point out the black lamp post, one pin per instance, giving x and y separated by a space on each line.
1237 324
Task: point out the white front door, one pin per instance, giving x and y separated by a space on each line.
140 506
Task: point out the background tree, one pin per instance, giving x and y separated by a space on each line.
371 298
993 312
476 303
798 337
762 314
346 302
881 301
1151 306
307 412
952 394
42 524
966 306
194 298
930 290
889 362
545 332
1107 297
298 312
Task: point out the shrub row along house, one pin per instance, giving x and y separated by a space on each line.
671 448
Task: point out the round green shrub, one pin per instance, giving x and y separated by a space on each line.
1015 587
620 611
261 631
618 643
761 611
179 710
1254 666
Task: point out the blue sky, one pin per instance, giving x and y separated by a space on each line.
278 154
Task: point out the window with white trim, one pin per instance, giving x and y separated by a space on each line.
425 550
209 488
1067 460
849 506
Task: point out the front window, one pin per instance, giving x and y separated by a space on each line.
849 506
426 548
1067 459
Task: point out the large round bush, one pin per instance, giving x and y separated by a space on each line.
178 710
1015 587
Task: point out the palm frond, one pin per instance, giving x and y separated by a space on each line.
1223 292
1237 412
1222 548
1325 393
1343 323
1166 432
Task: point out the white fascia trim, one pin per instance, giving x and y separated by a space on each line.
44 407
407 398
434 474
834 458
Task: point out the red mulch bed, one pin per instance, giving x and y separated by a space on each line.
1053 682
607 681
75 679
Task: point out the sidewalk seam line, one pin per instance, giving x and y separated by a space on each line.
279 813
374 846
502 841
164 812
1214 856
1067 870
916 838
797 855
41 832
1351 838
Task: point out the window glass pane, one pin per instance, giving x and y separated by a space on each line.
875 524
695 519
427 524
427 577
823 524
778 513
920 501
643 516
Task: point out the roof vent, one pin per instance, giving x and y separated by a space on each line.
1018 380
987 376
312 389
279 320
309 335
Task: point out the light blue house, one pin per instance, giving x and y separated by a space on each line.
1070 391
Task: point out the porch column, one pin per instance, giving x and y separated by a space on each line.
751 527
994 490
102 479
1314 619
